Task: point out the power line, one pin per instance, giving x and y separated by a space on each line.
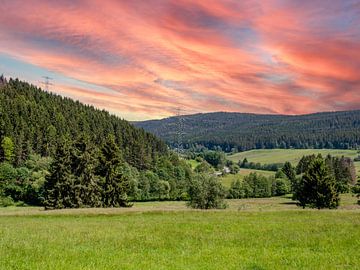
179 131
47 82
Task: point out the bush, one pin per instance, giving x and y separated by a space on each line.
234 169
206 192
257 186
6 201
204 167
236 190
281 187
356 190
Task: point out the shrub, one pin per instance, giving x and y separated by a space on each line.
204 167
6 201
206 192
356 190
281 187
236 190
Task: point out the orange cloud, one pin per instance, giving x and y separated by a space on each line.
153 56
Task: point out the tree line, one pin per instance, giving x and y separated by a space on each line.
315 182
233 132
37 121
60 153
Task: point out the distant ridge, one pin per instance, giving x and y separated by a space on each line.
245 131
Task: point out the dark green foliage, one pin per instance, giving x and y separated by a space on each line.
204 167
317 187
344 172
280 174
35 120
234 168
304 163
82 177
98 159
356 190
59 184
258 186
258 166
24 184
289 172
342 169
281 186
236 190
215 158
115 183
243 131
206 192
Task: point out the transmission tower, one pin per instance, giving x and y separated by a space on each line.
179 131
47 82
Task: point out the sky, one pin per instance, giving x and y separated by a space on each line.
146 59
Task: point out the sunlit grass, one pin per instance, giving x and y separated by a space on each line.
251 234
229 178
268 156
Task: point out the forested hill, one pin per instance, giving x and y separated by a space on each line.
37 121
244 131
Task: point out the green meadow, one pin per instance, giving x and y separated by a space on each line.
267 156
271 233
229 178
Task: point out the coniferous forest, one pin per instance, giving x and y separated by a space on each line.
59 153
62 154
245 131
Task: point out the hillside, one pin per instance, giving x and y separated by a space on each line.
36 121
243 131
59 153
268 156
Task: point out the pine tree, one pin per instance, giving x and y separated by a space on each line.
317 187
84 162
289 171
114 184
59 184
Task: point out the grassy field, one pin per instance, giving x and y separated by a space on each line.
252 234
267 156
229 178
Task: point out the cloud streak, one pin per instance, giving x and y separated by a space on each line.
145 58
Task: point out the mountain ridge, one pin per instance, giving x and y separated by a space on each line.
245 131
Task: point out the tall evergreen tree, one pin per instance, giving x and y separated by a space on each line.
317 187
59 184
114 183
289 171
87 186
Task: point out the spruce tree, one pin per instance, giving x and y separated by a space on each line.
114 183
317 187
59 184
84 162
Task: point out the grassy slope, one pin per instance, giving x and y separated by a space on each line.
229 178
266 156
252 234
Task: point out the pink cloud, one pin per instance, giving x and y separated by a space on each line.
152 56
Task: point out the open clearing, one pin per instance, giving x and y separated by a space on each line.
229 178
268 233
268 156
